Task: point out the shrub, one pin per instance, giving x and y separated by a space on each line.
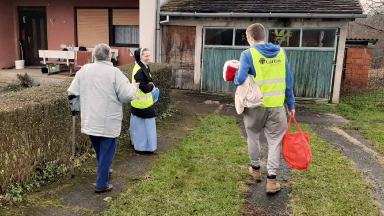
36 126
25 80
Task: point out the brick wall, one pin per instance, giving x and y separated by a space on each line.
358 61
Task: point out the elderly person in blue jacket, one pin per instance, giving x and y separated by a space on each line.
103 89
267 64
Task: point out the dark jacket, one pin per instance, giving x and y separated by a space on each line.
143 77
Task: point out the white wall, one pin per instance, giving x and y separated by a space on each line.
163 2
148 25
339 63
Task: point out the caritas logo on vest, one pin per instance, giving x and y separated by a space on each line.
272 62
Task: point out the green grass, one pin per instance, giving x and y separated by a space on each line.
331 185
202 176
369 121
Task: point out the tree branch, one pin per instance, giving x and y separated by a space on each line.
380 30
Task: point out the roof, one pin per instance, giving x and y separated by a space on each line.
362 40
265 6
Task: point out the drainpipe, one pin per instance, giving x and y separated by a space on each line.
158 45
165 21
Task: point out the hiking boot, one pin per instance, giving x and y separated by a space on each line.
256 174
102 190
272 186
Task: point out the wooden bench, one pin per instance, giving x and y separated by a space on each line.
55 54
70 58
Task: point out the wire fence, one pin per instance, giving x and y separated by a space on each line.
363 86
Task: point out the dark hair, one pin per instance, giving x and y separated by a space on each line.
256 31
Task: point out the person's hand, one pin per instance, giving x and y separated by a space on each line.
137 85
291 113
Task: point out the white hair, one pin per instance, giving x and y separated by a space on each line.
102 52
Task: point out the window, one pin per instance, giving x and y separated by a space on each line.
126 34
125 27
219 37
285 37
319 38
241 38
116 27
92 27
225 37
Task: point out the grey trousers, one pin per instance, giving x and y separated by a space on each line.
274 123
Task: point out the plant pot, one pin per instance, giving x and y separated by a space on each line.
19 64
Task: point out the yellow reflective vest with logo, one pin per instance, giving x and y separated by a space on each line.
270 77
142 100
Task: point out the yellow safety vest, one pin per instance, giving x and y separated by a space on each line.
270 77
142 100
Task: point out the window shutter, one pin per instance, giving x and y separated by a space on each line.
92 27
127 17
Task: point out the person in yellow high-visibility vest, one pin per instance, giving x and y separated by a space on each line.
143 123
267 64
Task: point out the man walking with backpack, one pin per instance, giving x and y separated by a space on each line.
269 68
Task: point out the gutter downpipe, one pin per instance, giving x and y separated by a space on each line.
158 47
267 15
165 21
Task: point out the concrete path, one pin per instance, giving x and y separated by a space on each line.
351 144
7 76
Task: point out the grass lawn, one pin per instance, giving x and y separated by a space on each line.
331 185
203 175
369 121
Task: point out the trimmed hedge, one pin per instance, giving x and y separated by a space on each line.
36 127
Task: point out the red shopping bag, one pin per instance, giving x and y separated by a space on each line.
296 148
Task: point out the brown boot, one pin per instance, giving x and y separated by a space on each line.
256 174
272 186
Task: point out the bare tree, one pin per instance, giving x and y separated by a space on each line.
374 6
371 27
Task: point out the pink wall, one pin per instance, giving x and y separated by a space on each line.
7 39
63 30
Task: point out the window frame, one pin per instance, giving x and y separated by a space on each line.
111 26
300 47
301 38
233 37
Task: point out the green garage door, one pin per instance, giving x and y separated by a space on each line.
312 67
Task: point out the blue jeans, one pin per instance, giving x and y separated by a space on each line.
105 153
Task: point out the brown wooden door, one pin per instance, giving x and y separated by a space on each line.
33 33
178 49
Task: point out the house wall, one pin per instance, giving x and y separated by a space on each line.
62 31
231 22
148 25
7 39
358 61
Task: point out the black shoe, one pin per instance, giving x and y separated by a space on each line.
102 190
144 152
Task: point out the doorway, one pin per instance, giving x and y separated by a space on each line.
33 33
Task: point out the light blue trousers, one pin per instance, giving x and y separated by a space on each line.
143 134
